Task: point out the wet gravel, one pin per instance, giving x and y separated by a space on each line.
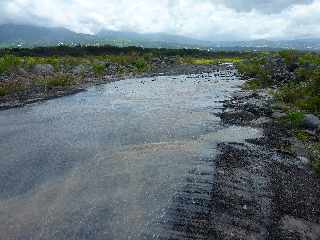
263 189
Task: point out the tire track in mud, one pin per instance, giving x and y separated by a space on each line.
189 213
242 196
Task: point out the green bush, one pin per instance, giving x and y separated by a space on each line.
315 155
309 58
290 93
140 64
290 56
302 136
59 81
310 104
251 69
255 69
252 84
11 87
98 69
295 118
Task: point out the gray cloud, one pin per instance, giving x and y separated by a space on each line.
265 6
205 19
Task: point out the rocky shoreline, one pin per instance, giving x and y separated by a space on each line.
265 188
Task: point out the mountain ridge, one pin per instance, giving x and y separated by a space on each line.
14 35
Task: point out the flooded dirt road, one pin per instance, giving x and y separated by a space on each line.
115 161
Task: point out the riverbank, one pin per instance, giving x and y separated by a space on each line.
31 75
36 93
266 188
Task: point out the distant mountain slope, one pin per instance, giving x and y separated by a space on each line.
29 36
299 44
156 38
33 35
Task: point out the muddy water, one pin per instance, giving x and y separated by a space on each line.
107 163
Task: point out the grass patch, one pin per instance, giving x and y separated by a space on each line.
210 61
303 136
98 69
60 80
315 155
309 58
253 84
141 64
304 94
9 88
8 63
290 56
295 119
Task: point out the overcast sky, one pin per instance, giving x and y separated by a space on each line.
203 19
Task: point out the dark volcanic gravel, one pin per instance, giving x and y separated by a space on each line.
262 189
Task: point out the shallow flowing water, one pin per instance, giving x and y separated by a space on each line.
106 163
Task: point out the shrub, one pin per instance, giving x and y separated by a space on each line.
315 157
140 64
252 84
98 69
250 69
310 104
302 136
11 87
295 118
309 58
290 56
59 81
8 63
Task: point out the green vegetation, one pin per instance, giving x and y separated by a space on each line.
295 79
290 56
304 93
252 84
302 135
9 88
141 64
213 60
60 80
315 154
255 68
98 69
295 118
8 63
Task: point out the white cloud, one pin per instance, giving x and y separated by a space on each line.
206 19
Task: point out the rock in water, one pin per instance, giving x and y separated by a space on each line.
311 121
43 69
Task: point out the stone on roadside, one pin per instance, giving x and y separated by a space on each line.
22 72
311 122
81 69
278 115
43 69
